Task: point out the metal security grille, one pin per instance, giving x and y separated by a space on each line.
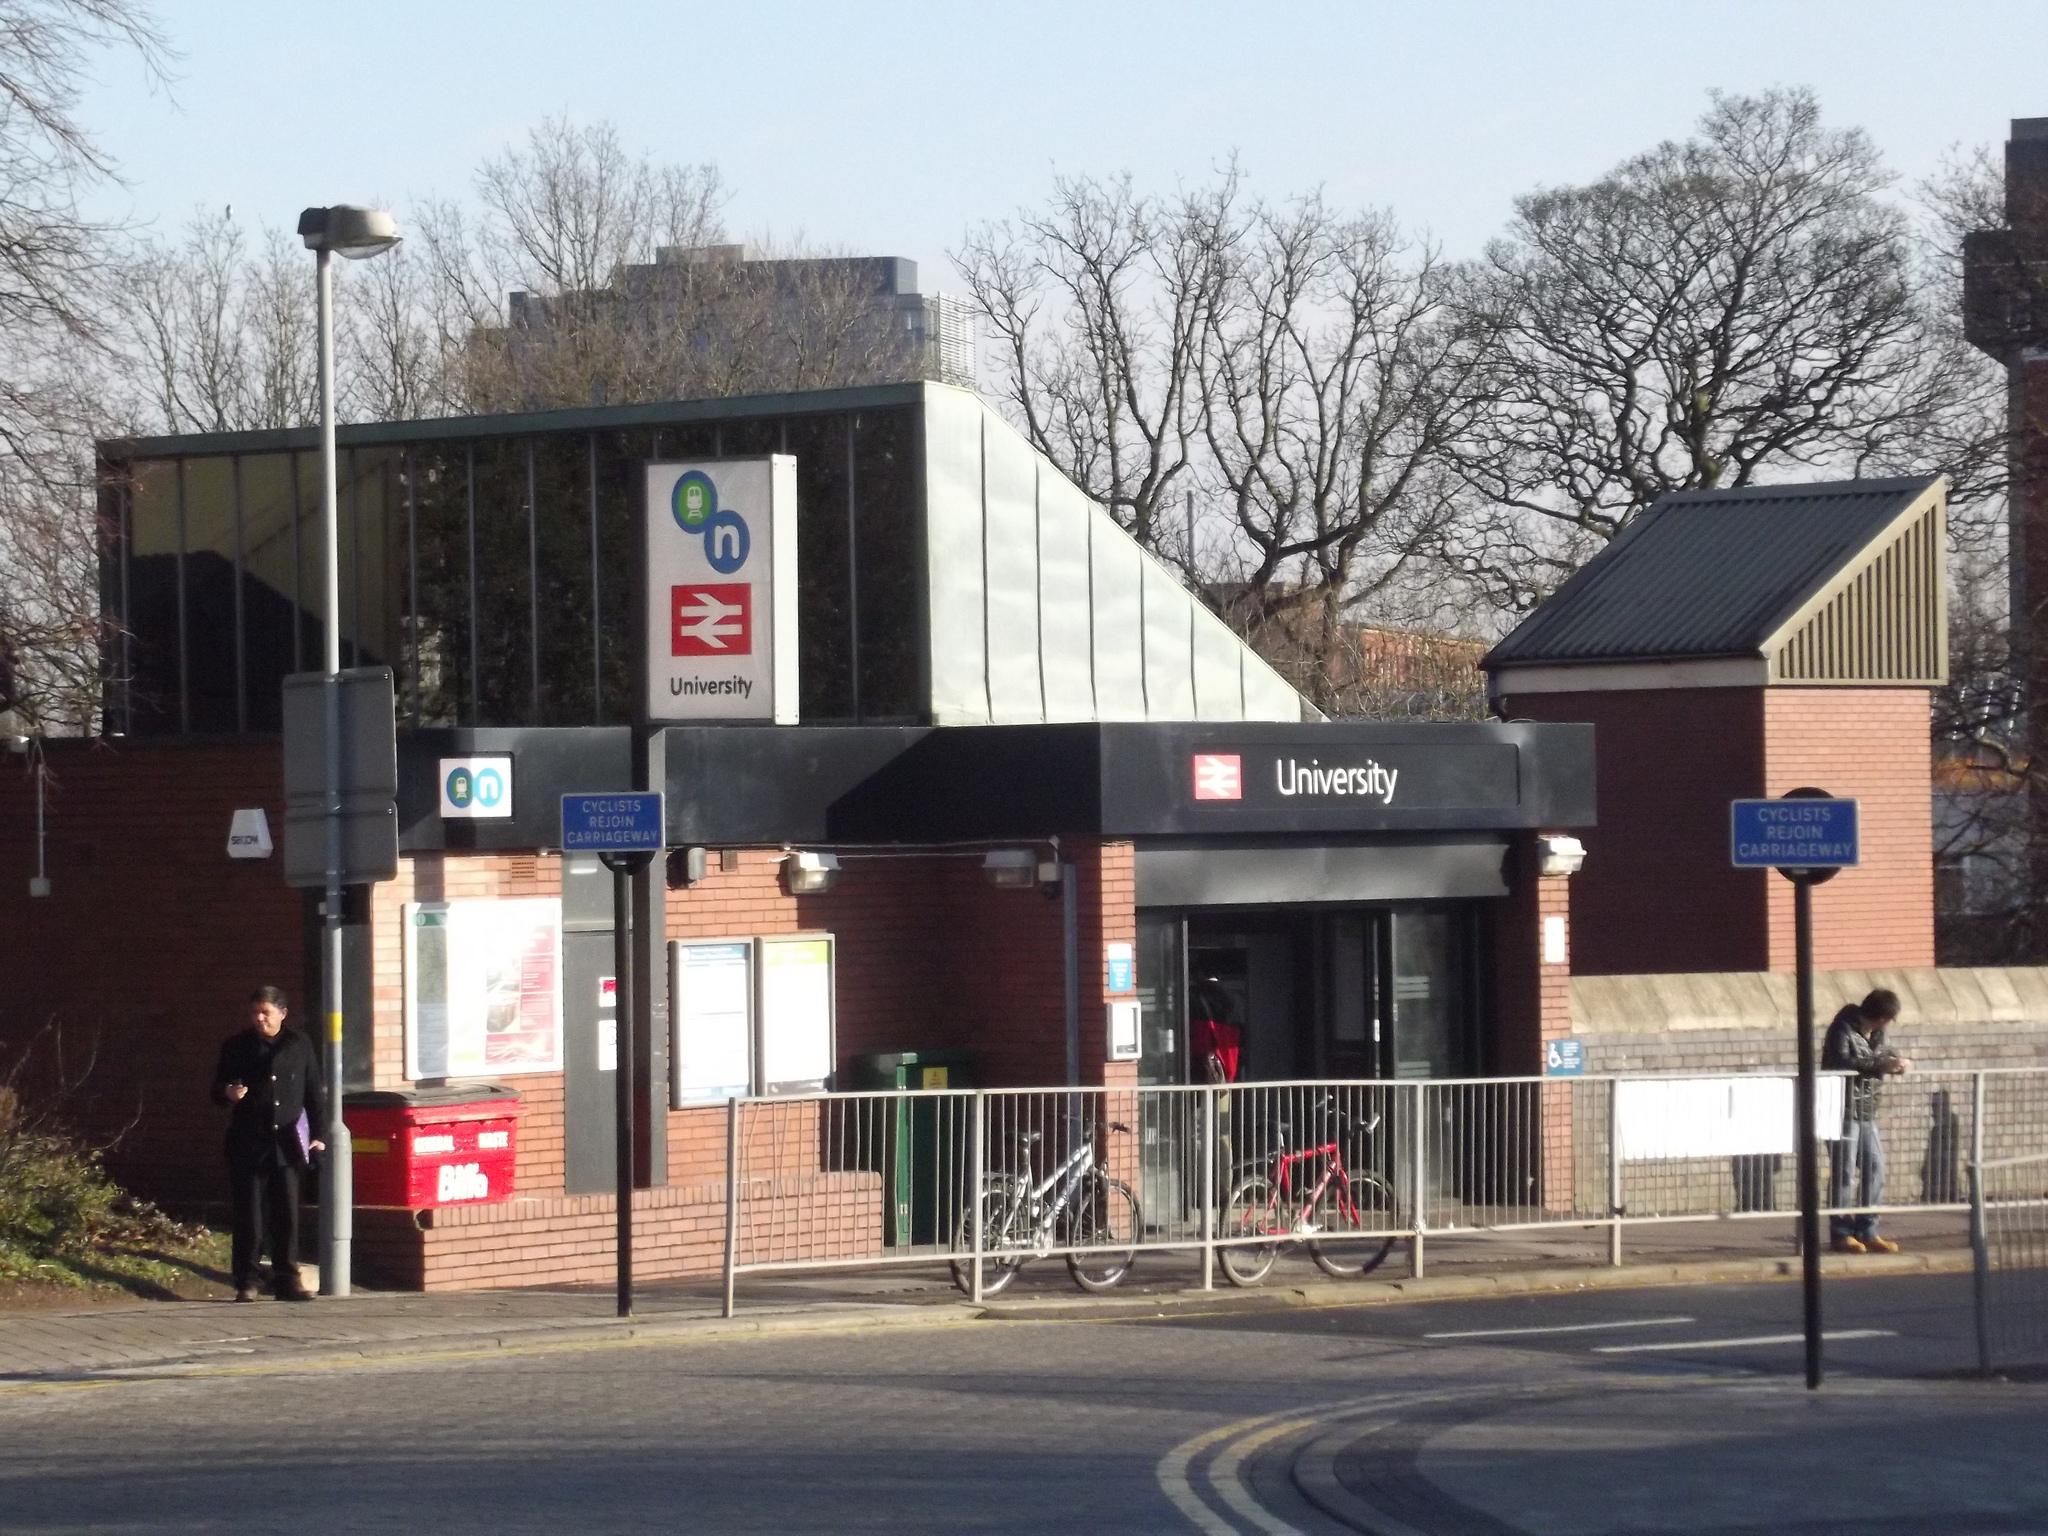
1888 625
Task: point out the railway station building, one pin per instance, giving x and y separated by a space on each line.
952 768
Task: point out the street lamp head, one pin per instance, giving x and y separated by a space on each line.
358 233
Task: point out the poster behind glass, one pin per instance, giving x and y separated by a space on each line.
483 987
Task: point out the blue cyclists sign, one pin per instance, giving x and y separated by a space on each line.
614 823
1793 833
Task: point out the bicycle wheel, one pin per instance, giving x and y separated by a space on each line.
1350 1218
1252 1212
998 1268
1104 1222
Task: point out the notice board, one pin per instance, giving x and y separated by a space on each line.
711 1013
794 992
483 987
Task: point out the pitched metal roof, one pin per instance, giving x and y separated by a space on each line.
1705 574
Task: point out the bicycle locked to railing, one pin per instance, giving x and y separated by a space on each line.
1308 1195
1077 1209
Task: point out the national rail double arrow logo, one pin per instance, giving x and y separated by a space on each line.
711 619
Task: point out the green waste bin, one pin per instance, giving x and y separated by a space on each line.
920 1146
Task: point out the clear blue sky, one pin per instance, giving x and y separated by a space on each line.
891 127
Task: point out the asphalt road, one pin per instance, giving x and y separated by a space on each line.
1615 1417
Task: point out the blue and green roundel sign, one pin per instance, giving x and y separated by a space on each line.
695 501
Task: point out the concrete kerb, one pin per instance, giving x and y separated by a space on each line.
1525 1282
456 1342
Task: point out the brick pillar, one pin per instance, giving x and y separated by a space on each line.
1532 994
1532 989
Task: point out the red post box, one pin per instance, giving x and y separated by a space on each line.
425 1147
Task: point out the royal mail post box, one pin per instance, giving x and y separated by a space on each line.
434 1146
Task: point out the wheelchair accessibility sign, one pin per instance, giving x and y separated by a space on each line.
1564 1058
476 788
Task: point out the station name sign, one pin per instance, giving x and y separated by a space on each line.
720 623
1389 778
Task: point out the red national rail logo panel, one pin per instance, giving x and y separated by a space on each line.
1218 776
711 619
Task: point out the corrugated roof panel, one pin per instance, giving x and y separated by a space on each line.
1708 573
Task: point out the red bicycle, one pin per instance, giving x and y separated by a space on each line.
1341 1216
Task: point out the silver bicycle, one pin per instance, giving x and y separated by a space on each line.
1077 1207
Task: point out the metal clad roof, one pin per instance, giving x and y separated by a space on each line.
598 418
1708 573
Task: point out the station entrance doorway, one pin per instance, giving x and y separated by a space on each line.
1390 991
1380 992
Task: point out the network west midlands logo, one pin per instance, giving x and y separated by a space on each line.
476 788
695 505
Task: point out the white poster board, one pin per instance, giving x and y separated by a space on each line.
795 990
711 1014
720 624
483 987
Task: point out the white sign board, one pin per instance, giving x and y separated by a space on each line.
795 1012
721 590
1124 1042
483 987
711 1014
1746 1116
476 788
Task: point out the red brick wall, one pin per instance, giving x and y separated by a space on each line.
1657 893
464 877
146 949
1532 996
570 1240
1871 745
930 957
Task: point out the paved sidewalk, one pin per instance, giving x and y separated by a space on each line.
173 1337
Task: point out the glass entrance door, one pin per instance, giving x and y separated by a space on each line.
1162 1007
1429 986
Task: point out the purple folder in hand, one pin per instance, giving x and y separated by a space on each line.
304 1131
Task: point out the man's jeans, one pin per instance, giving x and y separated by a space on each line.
1857 1178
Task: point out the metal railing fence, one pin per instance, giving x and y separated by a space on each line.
2009 1243
981 1177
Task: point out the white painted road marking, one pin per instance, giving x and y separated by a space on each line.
1511 1333
1763 1338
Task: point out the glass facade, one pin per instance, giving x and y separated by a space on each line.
494 570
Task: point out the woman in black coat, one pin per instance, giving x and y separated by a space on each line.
269 1080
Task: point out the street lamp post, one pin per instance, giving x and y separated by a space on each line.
358 233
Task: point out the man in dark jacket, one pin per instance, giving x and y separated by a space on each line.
1856 1043
269 1078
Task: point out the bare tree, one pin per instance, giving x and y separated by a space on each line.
1299 372
1333 380
1099 306
53 258
558 222
1712 313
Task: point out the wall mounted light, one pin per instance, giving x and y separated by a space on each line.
1557 855
1010 869
809 874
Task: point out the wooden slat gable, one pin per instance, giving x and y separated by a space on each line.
1882 621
